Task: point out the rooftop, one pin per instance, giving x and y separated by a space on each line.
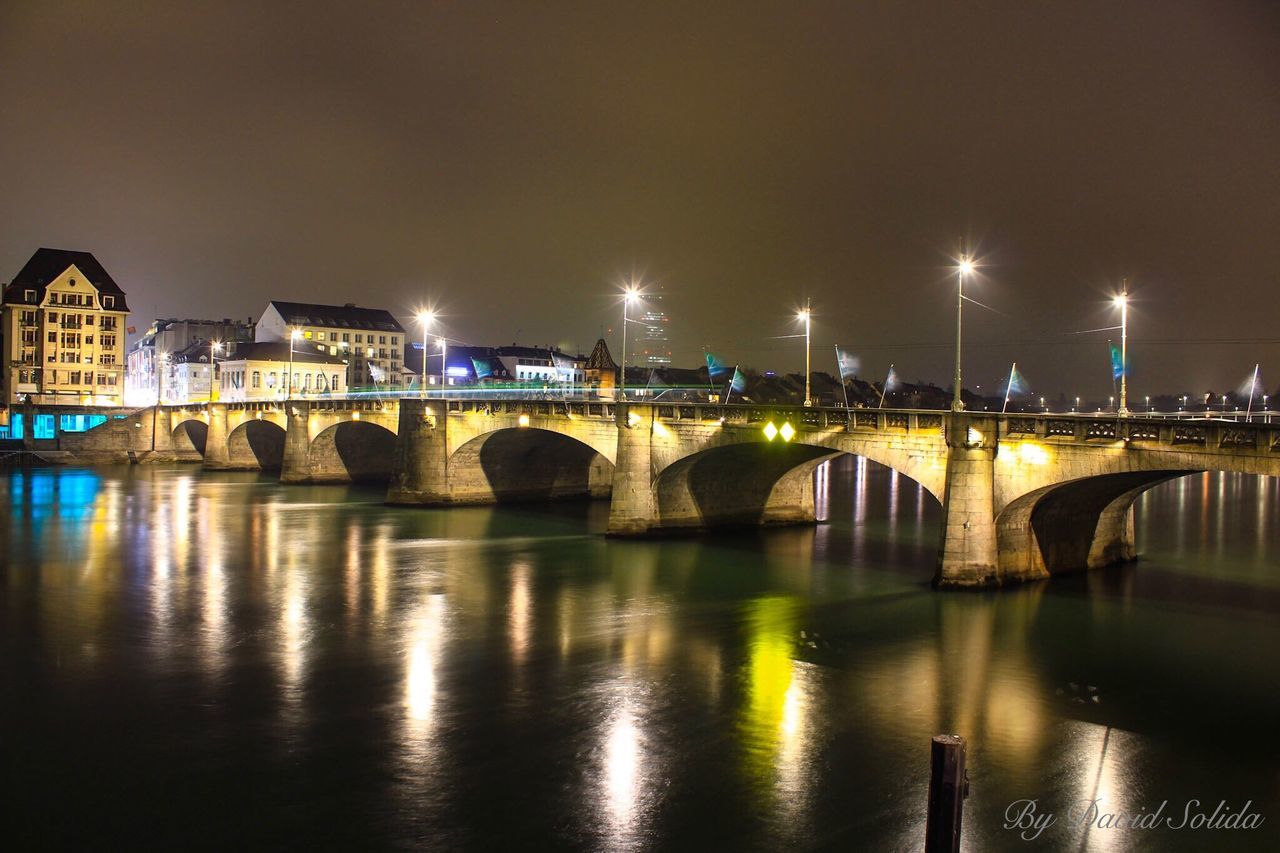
347 316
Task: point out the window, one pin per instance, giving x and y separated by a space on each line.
320 336
108 302
88 319
28 318
359 339
53 337
257 379
395 340
346 337
74 377
53 316
382 339
29 295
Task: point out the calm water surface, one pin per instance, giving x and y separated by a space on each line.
192 660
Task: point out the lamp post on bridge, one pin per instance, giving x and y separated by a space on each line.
630 295
965 267
1123 301
294 335
426 318
806 315
214 346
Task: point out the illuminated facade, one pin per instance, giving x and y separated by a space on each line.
369 340
261 371
161 342
62 332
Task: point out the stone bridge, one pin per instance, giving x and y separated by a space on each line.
1023 496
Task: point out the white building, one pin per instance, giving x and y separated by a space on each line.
161 341
267 370
368 339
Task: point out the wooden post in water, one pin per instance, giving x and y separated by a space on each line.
948 786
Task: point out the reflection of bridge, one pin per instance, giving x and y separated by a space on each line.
1023 496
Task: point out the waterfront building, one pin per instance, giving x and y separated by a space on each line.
260 371
370 340
62 332
542 364
655 343
166 337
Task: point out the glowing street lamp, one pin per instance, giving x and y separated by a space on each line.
806 315
1123 301
426 318
629 296
964 268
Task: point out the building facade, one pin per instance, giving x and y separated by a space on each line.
62 327
165 338
267 370
370 340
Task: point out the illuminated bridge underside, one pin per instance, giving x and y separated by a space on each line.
1023 497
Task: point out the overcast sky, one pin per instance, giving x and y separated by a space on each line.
515 162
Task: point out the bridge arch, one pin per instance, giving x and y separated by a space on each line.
525 464
748 483
1074 525
354 451
189 438
256 445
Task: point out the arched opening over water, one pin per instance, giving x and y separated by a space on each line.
528 464
256 444
189 438
748 484
352 451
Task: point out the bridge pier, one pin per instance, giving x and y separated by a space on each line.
969 554
633 508
295 465
216 454
419 472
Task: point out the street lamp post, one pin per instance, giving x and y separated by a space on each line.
426 318
444 361
213 365
631 295
806 315
966 266
294 335
1123 301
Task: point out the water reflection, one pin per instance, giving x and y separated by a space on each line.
508 677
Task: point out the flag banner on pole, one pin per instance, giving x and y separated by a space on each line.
1251 386
715 367
483 367
739 382
1017 384
848 363
891 382
1117 361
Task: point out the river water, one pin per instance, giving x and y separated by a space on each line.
215 660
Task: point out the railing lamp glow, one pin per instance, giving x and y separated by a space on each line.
965 267
772 431
523 420
630 295
632 419
972 437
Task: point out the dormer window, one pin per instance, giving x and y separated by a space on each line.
108 302
29 295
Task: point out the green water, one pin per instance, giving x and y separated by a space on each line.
216 661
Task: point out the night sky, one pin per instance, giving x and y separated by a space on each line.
515 162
